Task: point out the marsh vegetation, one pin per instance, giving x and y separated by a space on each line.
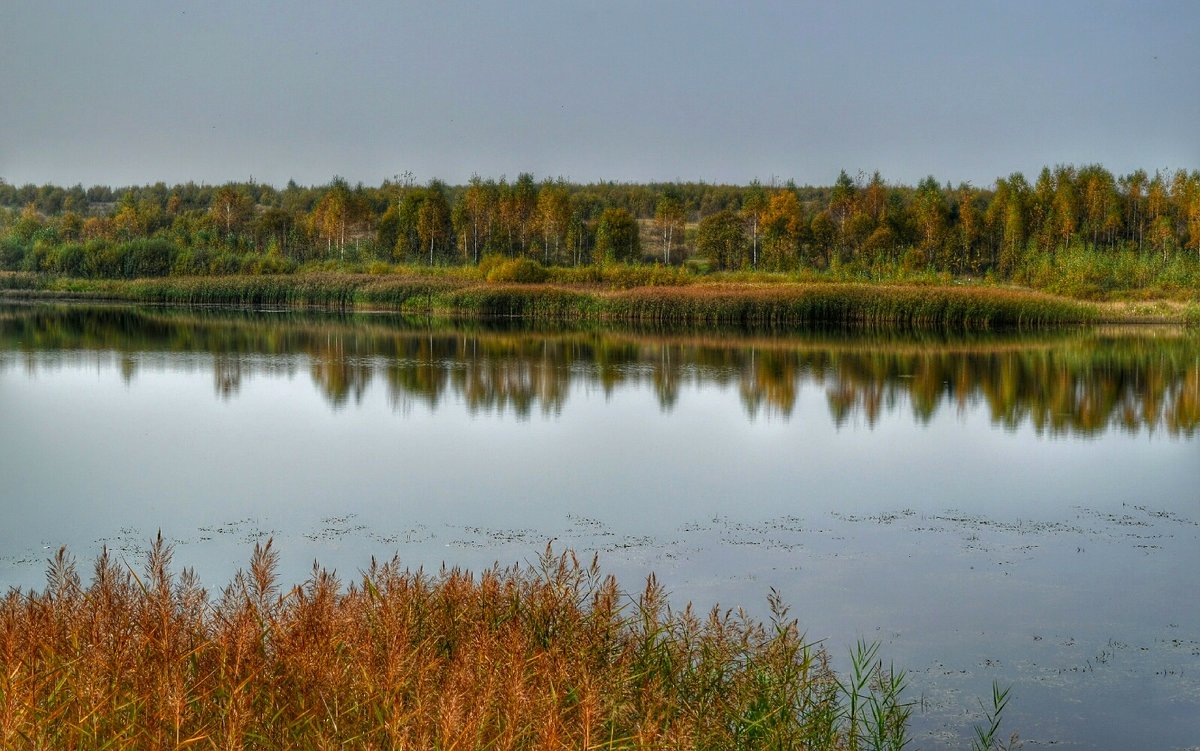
1031 476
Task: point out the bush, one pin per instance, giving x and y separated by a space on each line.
489 262
191 263
266 264
69 260
142 258
519 270
225 264
100 260
12 253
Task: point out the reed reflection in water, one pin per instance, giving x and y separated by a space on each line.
1077 382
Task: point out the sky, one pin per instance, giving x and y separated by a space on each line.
136 91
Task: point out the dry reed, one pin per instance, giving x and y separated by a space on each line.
548 656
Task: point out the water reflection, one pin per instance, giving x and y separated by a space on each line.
1079 382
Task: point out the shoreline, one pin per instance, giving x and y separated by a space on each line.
754 304
751 304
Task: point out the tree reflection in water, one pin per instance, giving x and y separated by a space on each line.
1079 381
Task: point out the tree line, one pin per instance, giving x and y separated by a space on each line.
240 226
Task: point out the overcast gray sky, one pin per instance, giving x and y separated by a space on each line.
134 91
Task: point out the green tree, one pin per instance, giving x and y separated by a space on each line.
970 224
274 227
841 205
1015 222
721 237
824 236
617 237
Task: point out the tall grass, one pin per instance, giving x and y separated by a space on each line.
1086 273
855 304
548 656
1191 315
743 304
17 280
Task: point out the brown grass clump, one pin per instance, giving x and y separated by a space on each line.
550 656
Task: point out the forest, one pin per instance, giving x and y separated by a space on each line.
1075 230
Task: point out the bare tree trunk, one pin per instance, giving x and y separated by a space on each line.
754 262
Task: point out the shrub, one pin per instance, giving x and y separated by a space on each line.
258 264
225 264
191 263
101 260
12 253
142 258
519 270
489 262
69 260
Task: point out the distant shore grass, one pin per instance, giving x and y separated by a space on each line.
551 655
649 300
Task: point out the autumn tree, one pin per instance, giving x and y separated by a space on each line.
1098 190
231 209
969 225
518 203
331 215
1193 214
753 208
867 213
1015 220
929 208
1066 204
783 225
553 216
1134 187
70 226
433 220
478 215
128 221
1157 208
668 220
578 236
1039 205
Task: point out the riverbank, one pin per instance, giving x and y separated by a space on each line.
745 303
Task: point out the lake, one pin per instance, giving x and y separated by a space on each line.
1017 507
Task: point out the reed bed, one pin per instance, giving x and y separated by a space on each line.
734 303
850 304
17 280
545 656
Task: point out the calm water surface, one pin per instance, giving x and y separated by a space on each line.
1016 508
